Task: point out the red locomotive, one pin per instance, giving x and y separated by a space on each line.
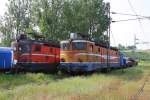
36 55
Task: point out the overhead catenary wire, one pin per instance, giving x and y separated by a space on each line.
148 17
132 8
140 23
127 20
132 17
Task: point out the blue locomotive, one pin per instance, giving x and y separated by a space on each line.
6 58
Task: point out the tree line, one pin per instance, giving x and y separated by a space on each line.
55 19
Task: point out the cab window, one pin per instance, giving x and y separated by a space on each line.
24 48
65 46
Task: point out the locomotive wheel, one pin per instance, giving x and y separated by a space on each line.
105 70
63 71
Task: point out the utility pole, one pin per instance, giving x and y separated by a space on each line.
108 33
134 46
135 42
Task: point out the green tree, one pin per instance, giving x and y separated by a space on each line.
55 19
6 31
121 47
16 20
87 16
20 12
60 17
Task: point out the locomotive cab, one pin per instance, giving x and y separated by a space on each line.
24 49
36 55
70 50
73 55
21 48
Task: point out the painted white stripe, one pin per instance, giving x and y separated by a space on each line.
97 55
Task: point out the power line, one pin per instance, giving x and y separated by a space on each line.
132 8
148 17
128 20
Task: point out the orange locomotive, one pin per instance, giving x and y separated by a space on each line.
36 55
85 56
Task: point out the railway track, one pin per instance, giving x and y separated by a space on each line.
141 89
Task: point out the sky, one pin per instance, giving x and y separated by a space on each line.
3 6
123 32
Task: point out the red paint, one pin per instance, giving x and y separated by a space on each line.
40 52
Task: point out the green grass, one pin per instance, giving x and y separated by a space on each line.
116 85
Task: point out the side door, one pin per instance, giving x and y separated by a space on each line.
90 52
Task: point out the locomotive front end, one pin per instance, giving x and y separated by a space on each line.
73 55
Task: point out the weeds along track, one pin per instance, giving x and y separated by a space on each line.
141 89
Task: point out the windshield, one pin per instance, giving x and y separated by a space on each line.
24 48
79 46
65 46
75 46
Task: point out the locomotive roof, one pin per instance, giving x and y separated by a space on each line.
5 49
102 44
49 43
105 46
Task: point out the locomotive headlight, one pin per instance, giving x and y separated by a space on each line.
80 60
62 60
15 61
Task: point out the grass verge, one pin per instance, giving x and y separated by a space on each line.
116 85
